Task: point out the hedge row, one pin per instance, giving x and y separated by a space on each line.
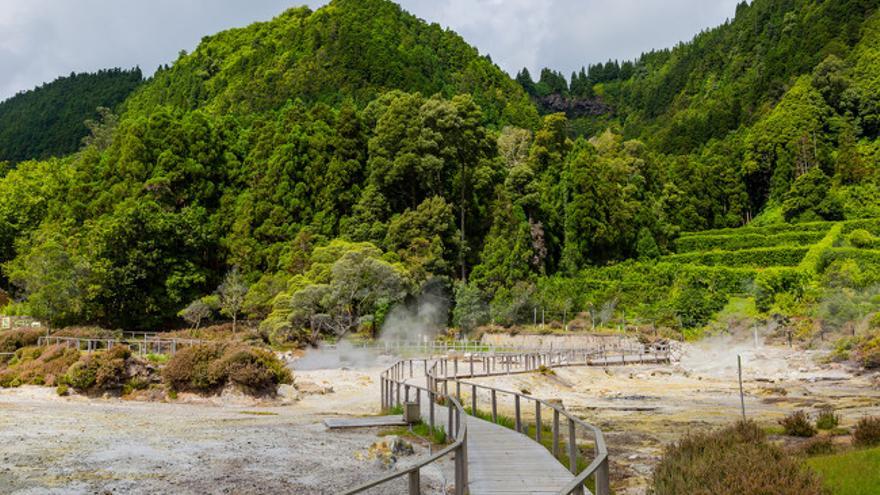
734 242
872 225
757 258
867 259
779 228
812 261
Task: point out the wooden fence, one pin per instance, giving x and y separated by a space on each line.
441 372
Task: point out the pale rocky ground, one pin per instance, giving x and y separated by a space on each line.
54 445
77 445
642 408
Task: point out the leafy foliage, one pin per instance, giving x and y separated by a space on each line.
49 120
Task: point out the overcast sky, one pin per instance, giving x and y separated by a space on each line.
42 39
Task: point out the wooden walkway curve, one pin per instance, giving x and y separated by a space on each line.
502 461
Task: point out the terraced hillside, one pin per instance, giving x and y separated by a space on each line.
785 268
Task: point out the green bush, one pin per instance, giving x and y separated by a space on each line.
827 419
862 239
797 424
775 281
731 461
818 446
100 371
867 351
867 432
189 369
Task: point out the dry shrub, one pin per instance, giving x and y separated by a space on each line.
207 368
731 461
822 445
13 340
867 432
87 333
867 351
38 366
797 424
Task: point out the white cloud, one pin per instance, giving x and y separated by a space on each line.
42 39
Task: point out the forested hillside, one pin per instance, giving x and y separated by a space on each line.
333 163
50 120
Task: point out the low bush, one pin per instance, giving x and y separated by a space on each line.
797 424
867 351
818 446
207 368
767 230
867 432
13 340
827 419
734 460
100 371
38 366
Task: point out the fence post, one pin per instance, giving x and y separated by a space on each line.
603 486
555 433
538 421
494 407
516 409
572 447
431 408
414 483
474 400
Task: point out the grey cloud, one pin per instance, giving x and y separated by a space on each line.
42 39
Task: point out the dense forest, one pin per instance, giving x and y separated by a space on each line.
51 120
336 162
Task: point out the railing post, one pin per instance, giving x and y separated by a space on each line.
474 400
555 433
494 407
397 394
603 486
382 392
414 483
572 447
458 391
471 361
449 426
431 408
538 421
516 409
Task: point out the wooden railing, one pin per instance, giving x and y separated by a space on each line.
141 346
395 378
439 373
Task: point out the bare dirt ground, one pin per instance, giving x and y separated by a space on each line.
643 408
54 445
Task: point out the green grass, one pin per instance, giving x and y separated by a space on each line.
856 472
436 436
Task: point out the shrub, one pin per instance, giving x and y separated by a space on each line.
62 390
208 367
818 446
759 257
867 432
867 351
189 368
827 419
861 238
38 366
734 460
101 370
737 241
13 340
797 424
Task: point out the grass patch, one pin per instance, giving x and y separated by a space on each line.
856 472
436 436
258 413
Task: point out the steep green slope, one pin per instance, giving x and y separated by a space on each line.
49 120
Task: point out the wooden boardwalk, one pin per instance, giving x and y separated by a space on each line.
502 461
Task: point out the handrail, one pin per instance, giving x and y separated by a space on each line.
393 379
395 376
142 346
